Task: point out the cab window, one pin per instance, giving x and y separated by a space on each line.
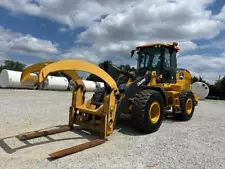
167 59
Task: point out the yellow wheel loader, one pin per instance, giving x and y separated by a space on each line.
156 86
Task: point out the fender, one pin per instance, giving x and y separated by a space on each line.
160 90
73 65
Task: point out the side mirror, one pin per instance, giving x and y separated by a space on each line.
181 76
132 53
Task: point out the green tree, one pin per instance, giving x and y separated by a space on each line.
113 74
194 79
220 86
127 68
12 65
199 79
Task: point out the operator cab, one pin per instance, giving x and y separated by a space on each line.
157 57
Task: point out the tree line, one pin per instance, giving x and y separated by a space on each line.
19 66
216 90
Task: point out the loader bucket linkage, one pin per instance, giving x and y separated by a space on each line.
82 113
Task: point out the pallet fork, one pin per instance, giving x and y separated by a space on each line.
81 112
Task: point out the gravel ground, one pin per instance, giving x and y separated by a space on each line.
196 144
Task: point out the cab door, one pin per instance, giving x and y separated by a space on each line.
169 66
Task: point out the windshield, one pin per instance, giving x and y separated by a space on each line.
149 58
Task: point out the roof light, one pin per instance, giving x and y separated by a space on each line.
175 43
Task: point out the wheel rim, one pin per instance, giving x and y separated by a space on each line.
189 106
154 112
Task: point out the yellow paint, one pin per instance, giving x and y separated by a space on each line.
32 69
189 106
71 65
154 112
25 76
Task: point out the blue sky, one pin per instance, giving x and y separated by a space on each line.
97 30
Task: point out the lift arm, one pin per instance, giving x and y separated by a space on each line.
33 68
37 68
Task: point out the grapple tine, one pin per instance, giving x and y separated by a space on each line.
77 148
43 133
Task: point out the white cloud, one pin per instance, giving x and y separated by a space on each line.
123 25
69 12
221 15
31 44
83 13
148 22
126 21
81 53
188 45
151 21
16 42
209 67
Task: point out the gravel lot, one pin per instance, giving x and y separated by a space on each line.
199 143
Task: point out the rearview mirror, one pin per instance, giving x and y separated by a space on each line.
181 76
132 53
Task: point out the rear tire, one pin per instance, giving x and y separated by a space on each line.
187 105
147 111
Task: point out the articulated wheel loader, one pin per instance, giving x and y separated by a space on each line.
156 86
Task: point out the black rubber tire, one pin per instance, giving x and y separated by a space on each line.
183 115
140 110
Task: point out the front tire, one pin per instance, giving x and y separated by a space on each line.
147 111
